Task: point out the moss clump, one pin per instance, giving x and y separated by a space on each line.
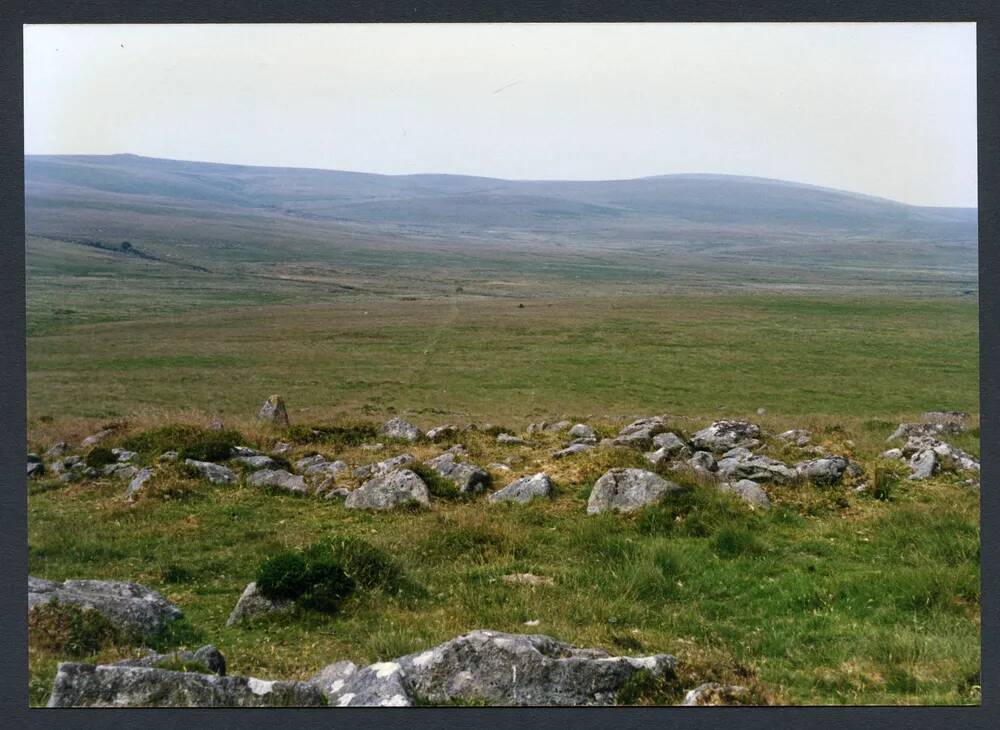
437 485
68 629
312 578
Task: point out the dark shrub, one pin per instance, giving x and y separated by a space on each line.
99 456
437 485
366 564
312 578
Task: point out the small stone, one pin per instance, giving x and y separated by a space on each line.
582 430
138 482
273 412
510 440
397 428
714 694
524 490
280 479
214 473
750 492
253 604
528 579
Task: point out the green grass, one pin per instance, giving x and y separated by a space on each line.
831 597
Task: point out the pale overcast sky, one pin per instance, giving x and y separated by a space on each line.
884 109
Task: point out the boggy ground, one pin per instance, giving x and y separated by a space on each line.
831 597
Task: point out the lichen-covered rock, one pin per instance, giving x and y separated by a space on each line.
97 438
442 432
208 656
571 450
722 436
702 462
714 694
907 430
379 685
138 483
582 431
58 449
385 466
215 473
924 464
388 491
750 492
798 436
332 677
273 412
131 607
469 478
253 604
522 669
826 471
640 433
279 479
397 428
510 440
672 444
524 490
626 490
257 461
104 685
743 465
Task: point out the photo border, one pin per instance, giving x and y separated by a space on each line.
13 496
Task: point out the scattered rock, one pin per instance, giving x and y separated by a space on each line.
722 436
524 490
741 464
138 482
528 579
750 492
258 461
799 437
672 444
397 428
388 491
498 467
35 469
379 685
208 656
88 685
442 432
626 490
383 467
57 450
576 448
274 412
715 694
254 604
522 669
469 479
131 607
510 440
640 433
826 471
280 479
892 454
338 493
558 426
97 438
244 451
215 473
124 455
373 447
703 462
122 471
169 456
906 430
582 431
281 448
946 417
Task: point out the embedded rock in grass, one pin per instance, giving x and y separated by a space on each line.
715 694
331 469
131 607
281 448
122 471
671 444
741 464
510 440
208 656
722 436
390 490
280 479
397 428
640 433
558 426
257 461
524 490
799 437
123 455
215 473
826 471
946 417
469 479
138 482
906 430
338 493
534 428
750 492
571 450
950 458
168 456
380 468
626 490
97 438
35 469
57 450
924 465
528 579
274 412
522 669
244 451
702 462
331 678
582 431
309 461
253 604
442 432
379 685
89 685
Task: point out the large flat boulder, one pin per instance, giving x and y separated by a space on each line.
739 463
215 473
131 607
722 436
278 479
389 491
105 685
826 471
397 428
626 490
524 490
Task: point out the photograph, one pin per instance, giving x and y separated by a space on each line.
460 365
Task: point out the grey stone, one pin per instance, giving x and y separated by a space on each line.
724 435
57 450
892 454
389 491
950 458
582 430
571 450
383 467
281 448
714 694
280 479
138 482
640 433
97 438
510 440
924 464
338 493
378 685
89 685
906 430
524 490
254 604
826 471
332 677
208 656
522 669
558 426
672 444
215 473
469 479
626 490
244 451
123 455
397 428
756 468
702 460
310 461
169 456
35 469
273 412
257 461
750 492
122 471
131 607
332 469
799 437
442 432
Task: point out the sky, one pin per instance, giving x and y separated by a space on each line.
887 109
